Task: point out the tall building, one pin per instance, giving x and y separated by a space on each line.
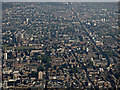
40 75
87 49
22 36
27 20
5 55
28 61
56 33
49 34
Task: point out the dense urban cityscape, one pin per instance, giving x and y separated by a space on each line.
60 45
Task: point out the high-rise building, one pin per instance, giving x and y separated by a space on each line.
56 33
87 49
27 19
40 75
28 61
5 55
22 36
49 34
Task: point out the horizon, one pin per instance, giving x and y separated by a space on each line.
59 1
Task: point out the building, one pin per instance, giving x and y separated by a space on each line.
40 75
27 19
22 36
5 55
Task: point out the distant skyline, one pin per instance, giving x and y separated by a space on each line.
59 0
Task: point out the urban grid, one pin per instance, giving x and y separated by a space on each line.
60 45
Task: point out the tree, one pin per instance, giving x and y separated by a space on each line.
34 74
40 68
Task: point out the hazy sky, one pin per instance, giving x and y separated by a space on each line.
59 0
